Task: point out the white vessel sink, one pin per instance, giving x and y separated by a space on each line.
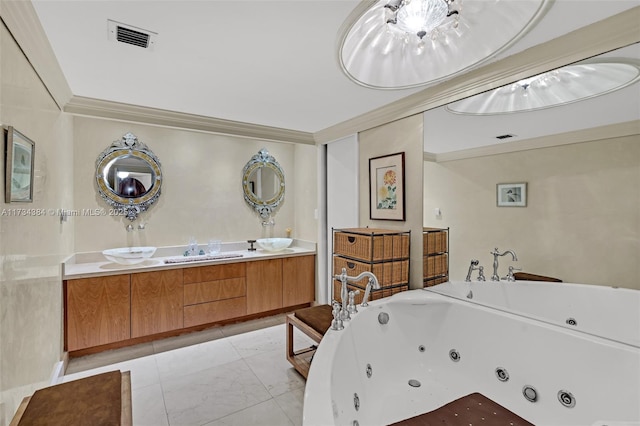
129 255
274 244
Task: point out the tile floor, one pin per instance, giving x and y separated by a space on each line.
232 375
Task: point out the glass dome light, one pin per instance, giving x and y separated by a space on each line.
562 86
396 44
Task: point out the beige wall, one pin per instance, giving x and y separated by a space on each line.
32 247
201 190
400 136
582 222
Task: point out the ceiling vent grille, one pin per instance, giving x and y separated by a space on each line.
131 35
507 136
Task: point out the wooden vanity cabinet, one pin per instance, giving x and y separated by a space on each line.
264 285
111 309
156 302
298 280
97 311
280 283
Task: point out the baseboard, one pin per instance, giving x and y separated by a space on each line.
58 370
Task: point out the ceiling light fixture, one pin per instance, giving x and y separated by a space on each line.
562 86
396 44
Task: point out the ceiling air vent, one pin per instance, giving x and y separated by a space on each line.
131 35
507 136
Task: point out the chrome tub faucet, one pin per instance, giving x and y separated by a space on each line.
344 293
496 253
474 266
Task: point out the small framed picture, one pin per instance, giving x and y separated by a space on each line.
19 161
511 194
386 186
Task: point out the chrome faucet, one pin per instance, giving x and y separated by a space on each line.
496 253
373 283
344 293
472 267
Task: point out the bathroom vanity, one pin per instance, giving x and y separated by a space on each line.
107 305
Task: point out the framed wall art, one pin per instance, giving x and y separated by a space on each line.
511 194
386 186
19 156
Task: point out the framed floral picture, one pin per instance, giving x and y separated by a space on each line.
19 160
386 187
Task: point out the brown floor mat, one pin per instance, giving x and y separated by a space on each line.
95 401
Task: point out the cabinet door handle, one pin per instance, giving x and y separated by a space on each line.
351 240
351 265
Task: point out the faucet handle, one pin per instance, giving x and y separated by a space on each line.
481 273
337 323
510 277
351 307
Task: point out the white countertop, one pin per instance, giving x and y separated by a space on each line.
93 264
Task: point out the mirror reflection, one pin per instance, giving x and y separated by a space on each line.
263 183
577 161
128 176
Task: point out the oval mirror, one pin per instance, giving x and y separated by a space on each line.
128 175
263 183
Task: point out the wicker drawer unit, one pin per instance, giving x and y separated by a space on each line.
371 245
435 260
383 252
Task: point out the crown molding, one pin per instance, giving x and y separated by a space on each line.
79 105
611 131
429 156
609 34
23 23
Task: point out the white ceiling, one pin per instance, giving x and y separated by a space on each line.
266 62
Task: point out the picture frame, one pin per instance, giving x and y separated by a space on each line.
386 187
511 194
19 163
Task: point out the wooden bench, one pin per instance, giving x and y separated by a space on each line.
103 399
313 322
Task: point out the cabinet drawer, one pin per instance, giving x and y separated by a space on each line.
371 245
435 266
213 273
211 291
220 310
388 273
374 295
434 242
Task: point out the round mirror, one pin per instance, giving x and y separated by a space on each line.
128 176
263 183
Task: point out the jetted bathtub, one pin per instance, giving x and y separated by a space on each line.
436 348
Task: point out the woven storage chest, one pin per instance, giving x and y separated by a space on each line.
383 252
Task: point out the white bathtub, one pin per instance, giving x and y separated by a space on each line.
609 312
602 374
